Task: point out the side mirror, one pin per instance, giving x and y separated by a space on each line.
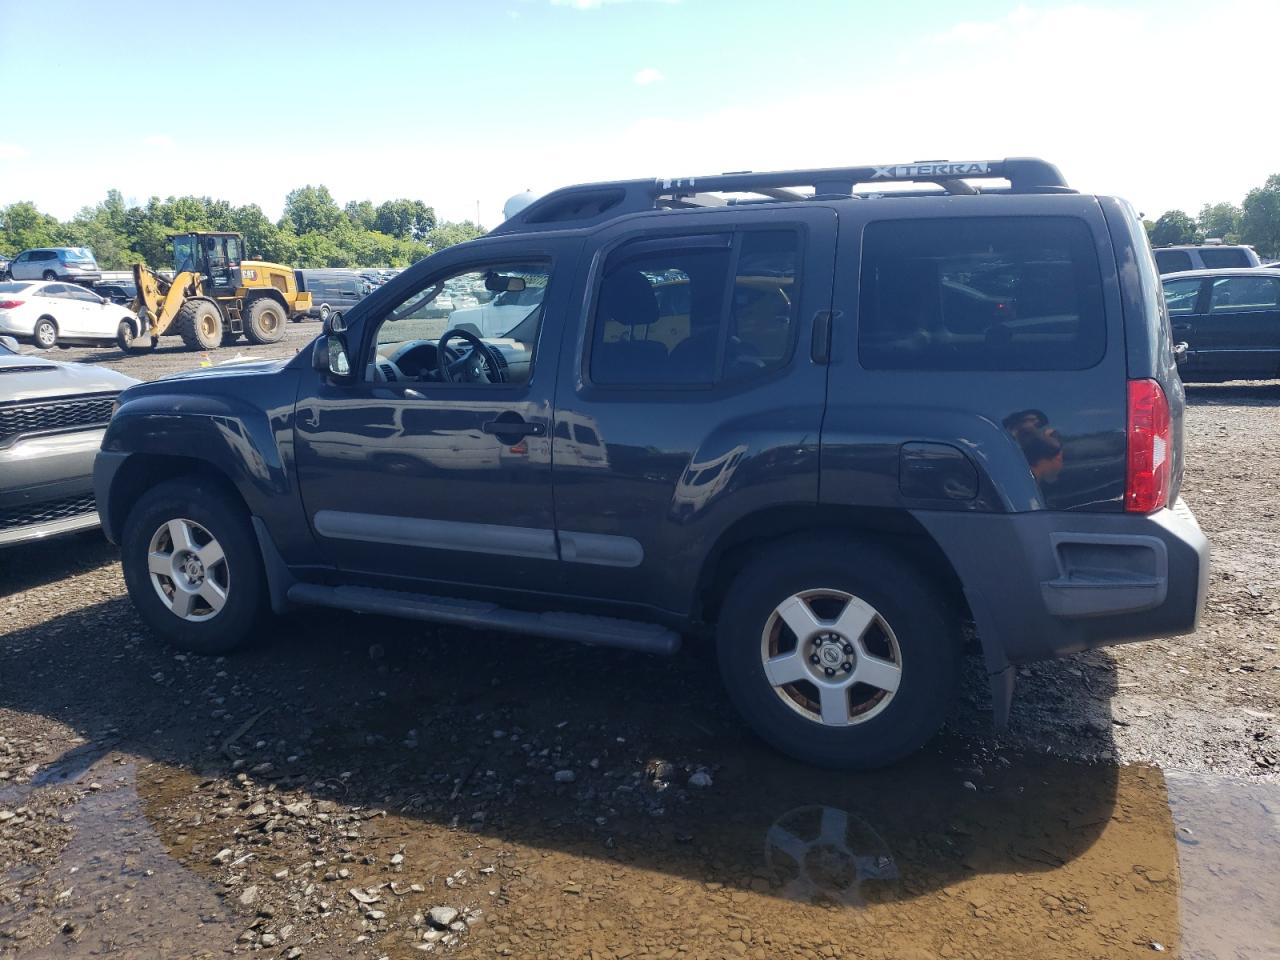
10 343
329 356
1180 352
333 323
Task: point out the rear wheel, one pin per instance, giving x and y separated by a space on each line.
838 653
46 333
192 566
48 275
264 321
324 312
199 323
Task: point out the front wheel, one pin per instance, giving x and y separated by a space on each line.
837 652
124 340
192 566
46 333
264 321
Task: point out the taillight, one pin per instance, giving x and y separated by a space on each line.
10 304
1150 465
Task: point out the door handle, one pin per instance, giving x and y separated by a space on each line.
515 428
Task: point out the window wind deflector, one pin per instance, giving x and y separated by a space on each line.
700 241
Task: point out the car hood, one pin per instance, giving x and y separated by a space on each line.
247 368
27 377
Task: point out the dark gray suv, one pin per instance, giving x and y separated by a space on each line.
808 426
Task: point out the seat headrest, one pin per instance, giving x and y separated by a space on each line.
628 298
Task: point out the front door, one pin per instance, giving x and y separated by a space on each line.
1242 319
429 472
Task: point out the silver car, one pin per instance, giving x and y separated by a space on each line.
56 263
52 417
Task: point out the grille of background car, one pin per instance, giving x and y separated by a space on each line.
53 416
47 511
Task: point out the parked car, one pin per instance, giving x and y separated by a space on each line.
884 463
52 417
1229 320
48 314
5 260
119 292
56 263
1205 256
333 292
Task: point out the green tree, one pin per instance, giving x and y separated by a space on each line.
311 210
1174 227
447 234
22 226
1221 220
1260 218
361 214
405 219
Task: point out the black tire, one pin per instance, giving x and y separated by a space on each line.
199 323
207 504
928 646
45 333
48 275
264 321
124 340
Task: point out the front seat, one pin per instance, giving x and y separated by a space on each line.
627 297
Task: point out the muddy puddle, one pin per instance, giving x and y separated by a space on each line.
945 856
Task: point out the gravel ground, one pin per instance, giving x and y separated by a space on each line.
361 787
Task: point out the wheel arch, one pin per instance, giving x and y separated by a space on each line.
139 472
266 293
895 530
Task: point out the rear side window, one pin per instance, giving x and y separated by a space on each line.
1172 261
1220 258
989 293
1234 294
696 310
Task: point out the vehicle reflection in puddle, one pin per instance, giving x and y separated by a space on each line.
951 854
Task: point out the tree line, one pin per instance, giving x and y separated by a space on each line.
1256 221
313 232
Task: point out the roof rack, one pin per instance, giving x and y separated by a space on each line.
591 204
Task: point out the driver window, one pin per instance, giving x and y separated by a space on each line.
492 311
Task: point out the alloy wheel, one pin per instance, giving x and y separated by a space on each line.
831 657
188 570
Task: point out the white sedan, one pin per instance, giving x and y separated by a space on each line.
48 313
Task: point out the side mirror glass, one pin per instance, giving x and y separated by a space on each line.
1180 352
334 324
330 356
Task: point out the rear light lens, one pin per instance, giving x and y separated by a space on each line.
11 304
1150 460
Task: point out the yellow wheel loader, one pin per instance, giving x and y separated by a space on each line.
215 296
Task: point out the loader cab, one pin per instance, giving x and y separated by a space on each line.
215 256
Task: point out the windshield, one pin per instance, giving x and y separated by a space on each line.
184 254
491 302
80 255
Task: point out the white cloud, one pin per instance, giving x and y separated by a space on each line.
160 140
647 76
11 151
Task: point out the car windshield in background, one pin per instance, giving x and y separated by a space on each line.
13 287
80 255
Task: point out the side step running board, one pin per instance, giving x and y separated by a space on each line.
600 631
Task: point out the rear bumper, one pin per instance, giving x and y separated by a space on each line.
1044 584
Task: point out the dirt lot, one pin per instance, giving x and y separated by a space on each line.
360 787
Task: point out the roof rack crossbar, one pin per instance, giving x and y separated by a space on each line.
591 204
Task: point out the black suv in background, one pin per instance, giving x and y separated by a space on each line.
1229 320
822 424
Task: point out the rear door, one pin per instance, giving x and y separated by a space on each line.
688 395
1243 313
993 327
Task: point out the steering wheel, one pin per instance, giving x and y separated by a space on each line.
477 365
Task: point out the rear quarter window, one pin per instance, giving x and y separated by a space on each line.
1218 259
983 293
1173 261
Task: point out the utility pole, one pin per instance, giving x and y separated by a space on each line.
477 214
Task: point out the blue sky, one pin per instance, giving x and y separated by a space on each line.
456 103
